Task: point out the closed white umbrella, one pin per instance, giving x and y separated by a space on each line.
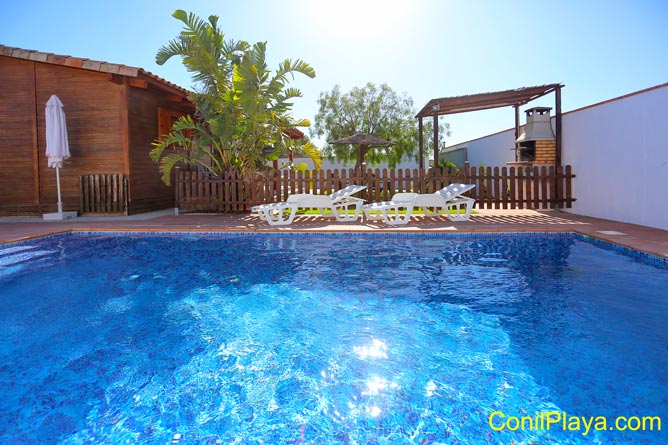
57 146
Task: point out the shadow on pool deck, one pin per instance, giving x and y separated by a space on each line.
642 238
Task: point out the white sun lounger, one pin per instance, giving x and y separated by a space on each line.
278 213
447 199
390 211
342 205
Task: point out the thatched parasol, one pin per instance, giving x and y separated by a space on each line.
364 141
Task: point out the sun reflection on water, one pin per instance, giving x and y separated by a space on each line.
377 350
376 384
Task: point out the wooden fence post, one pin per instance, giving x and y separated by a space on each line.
557 187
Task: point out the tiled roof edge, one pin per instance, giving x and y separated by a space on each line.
82 63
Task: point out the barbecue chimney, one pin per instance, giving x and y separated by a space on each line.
537 144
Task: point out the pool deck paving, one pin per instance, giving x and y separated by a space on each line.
645 239
650 240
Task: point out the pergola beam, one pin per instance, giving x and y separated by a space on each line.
484 101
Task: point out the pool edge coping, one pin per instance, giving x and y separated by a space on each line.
654 257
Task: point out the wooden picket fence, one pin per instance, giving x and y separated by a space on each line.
496 188
103 194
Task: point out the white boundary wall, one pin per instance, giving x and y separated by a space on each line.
619 153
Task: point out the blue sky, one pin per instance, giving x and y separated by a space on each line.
425 48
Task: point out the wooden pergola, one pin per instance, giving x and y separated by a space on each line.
484 101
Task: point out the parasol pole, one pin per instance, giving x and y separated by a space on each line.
60 202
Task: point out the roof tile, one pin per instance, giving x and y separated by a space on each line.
91 65
73 61
125 70
56 59
21 53
109 68
38 56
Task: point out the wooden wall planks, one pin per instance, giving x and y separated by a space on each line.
110 125
17 146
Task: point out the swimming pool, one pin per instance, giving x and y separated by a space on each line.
330 339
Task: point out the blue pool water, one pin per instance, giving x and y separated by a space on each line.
327 339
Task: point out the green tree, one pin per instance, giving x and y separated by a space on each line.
298 148
373 109
241 106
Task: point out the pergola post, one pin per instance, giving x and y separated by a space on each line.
517 131
557 123
420 143
436 108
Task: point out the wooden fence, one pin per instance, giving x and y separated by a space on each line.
103 194
496 188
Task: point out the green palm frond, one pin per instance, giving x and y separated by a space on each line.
289 66
173 48
172 141
281 104
258 55
167 164
291 93
313 153
301 123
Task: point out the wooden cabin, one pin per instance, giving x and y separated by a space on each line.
113 114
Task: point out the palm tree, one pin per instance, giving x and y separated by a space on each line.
241 107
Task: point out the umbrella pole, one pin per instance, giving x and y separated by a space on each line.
60 204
